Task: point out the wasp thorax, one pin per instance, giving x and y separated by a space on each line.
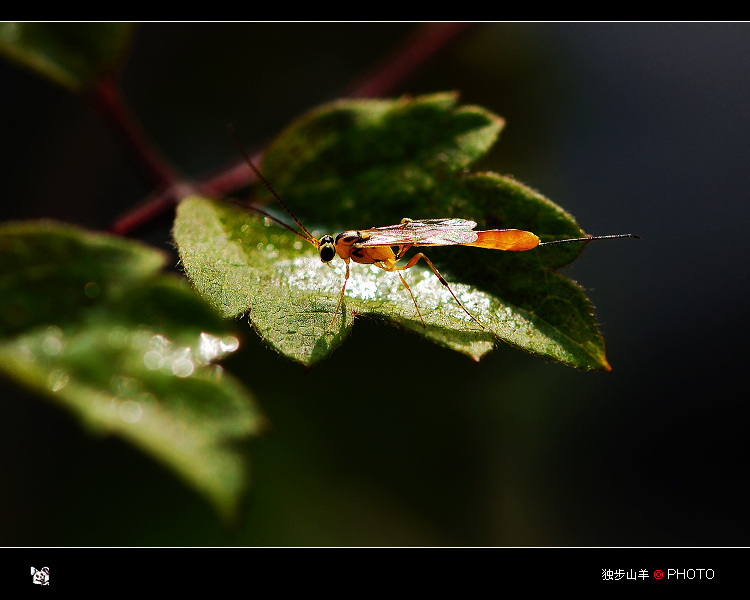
326 248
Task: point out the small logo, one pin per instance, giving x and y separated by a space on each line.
40 576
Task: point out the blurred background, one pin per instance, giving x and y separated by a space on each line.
639 128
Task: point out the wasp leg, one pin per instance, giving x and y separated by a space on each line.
408 289
341 297
402 250
413 261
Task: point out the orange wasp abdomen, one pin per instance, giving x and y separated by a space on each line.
505 239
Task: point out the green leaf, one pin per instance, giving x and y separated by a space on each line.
88 321
353 163
361 164
74 55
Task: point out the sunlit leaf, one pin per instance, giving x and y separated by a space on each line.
361 164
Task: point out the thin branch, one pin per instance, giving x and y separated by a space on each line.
231 179
413 53
152 207
107 99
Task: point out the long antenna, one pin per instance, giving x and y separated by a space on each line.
591 238
312 240
264 181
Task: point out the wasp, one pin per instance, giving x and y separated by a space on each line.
385 246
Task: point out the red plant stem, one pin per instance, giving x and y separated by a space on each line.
108 101
413 53
157 171
152 207
230 179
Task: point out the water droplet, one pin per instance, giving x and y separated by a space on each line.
183 367
124 386
57 380
53 341
152 360
130 411
211 348
215 373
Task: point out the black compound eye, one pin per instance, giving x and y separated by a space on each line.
327 252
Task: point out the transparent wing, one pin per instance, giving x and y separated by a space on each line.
423 232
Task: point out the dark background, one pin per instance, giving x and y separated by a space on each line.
638 128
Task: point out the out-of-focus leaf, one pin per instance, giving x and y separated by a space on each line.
88 321
74 55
